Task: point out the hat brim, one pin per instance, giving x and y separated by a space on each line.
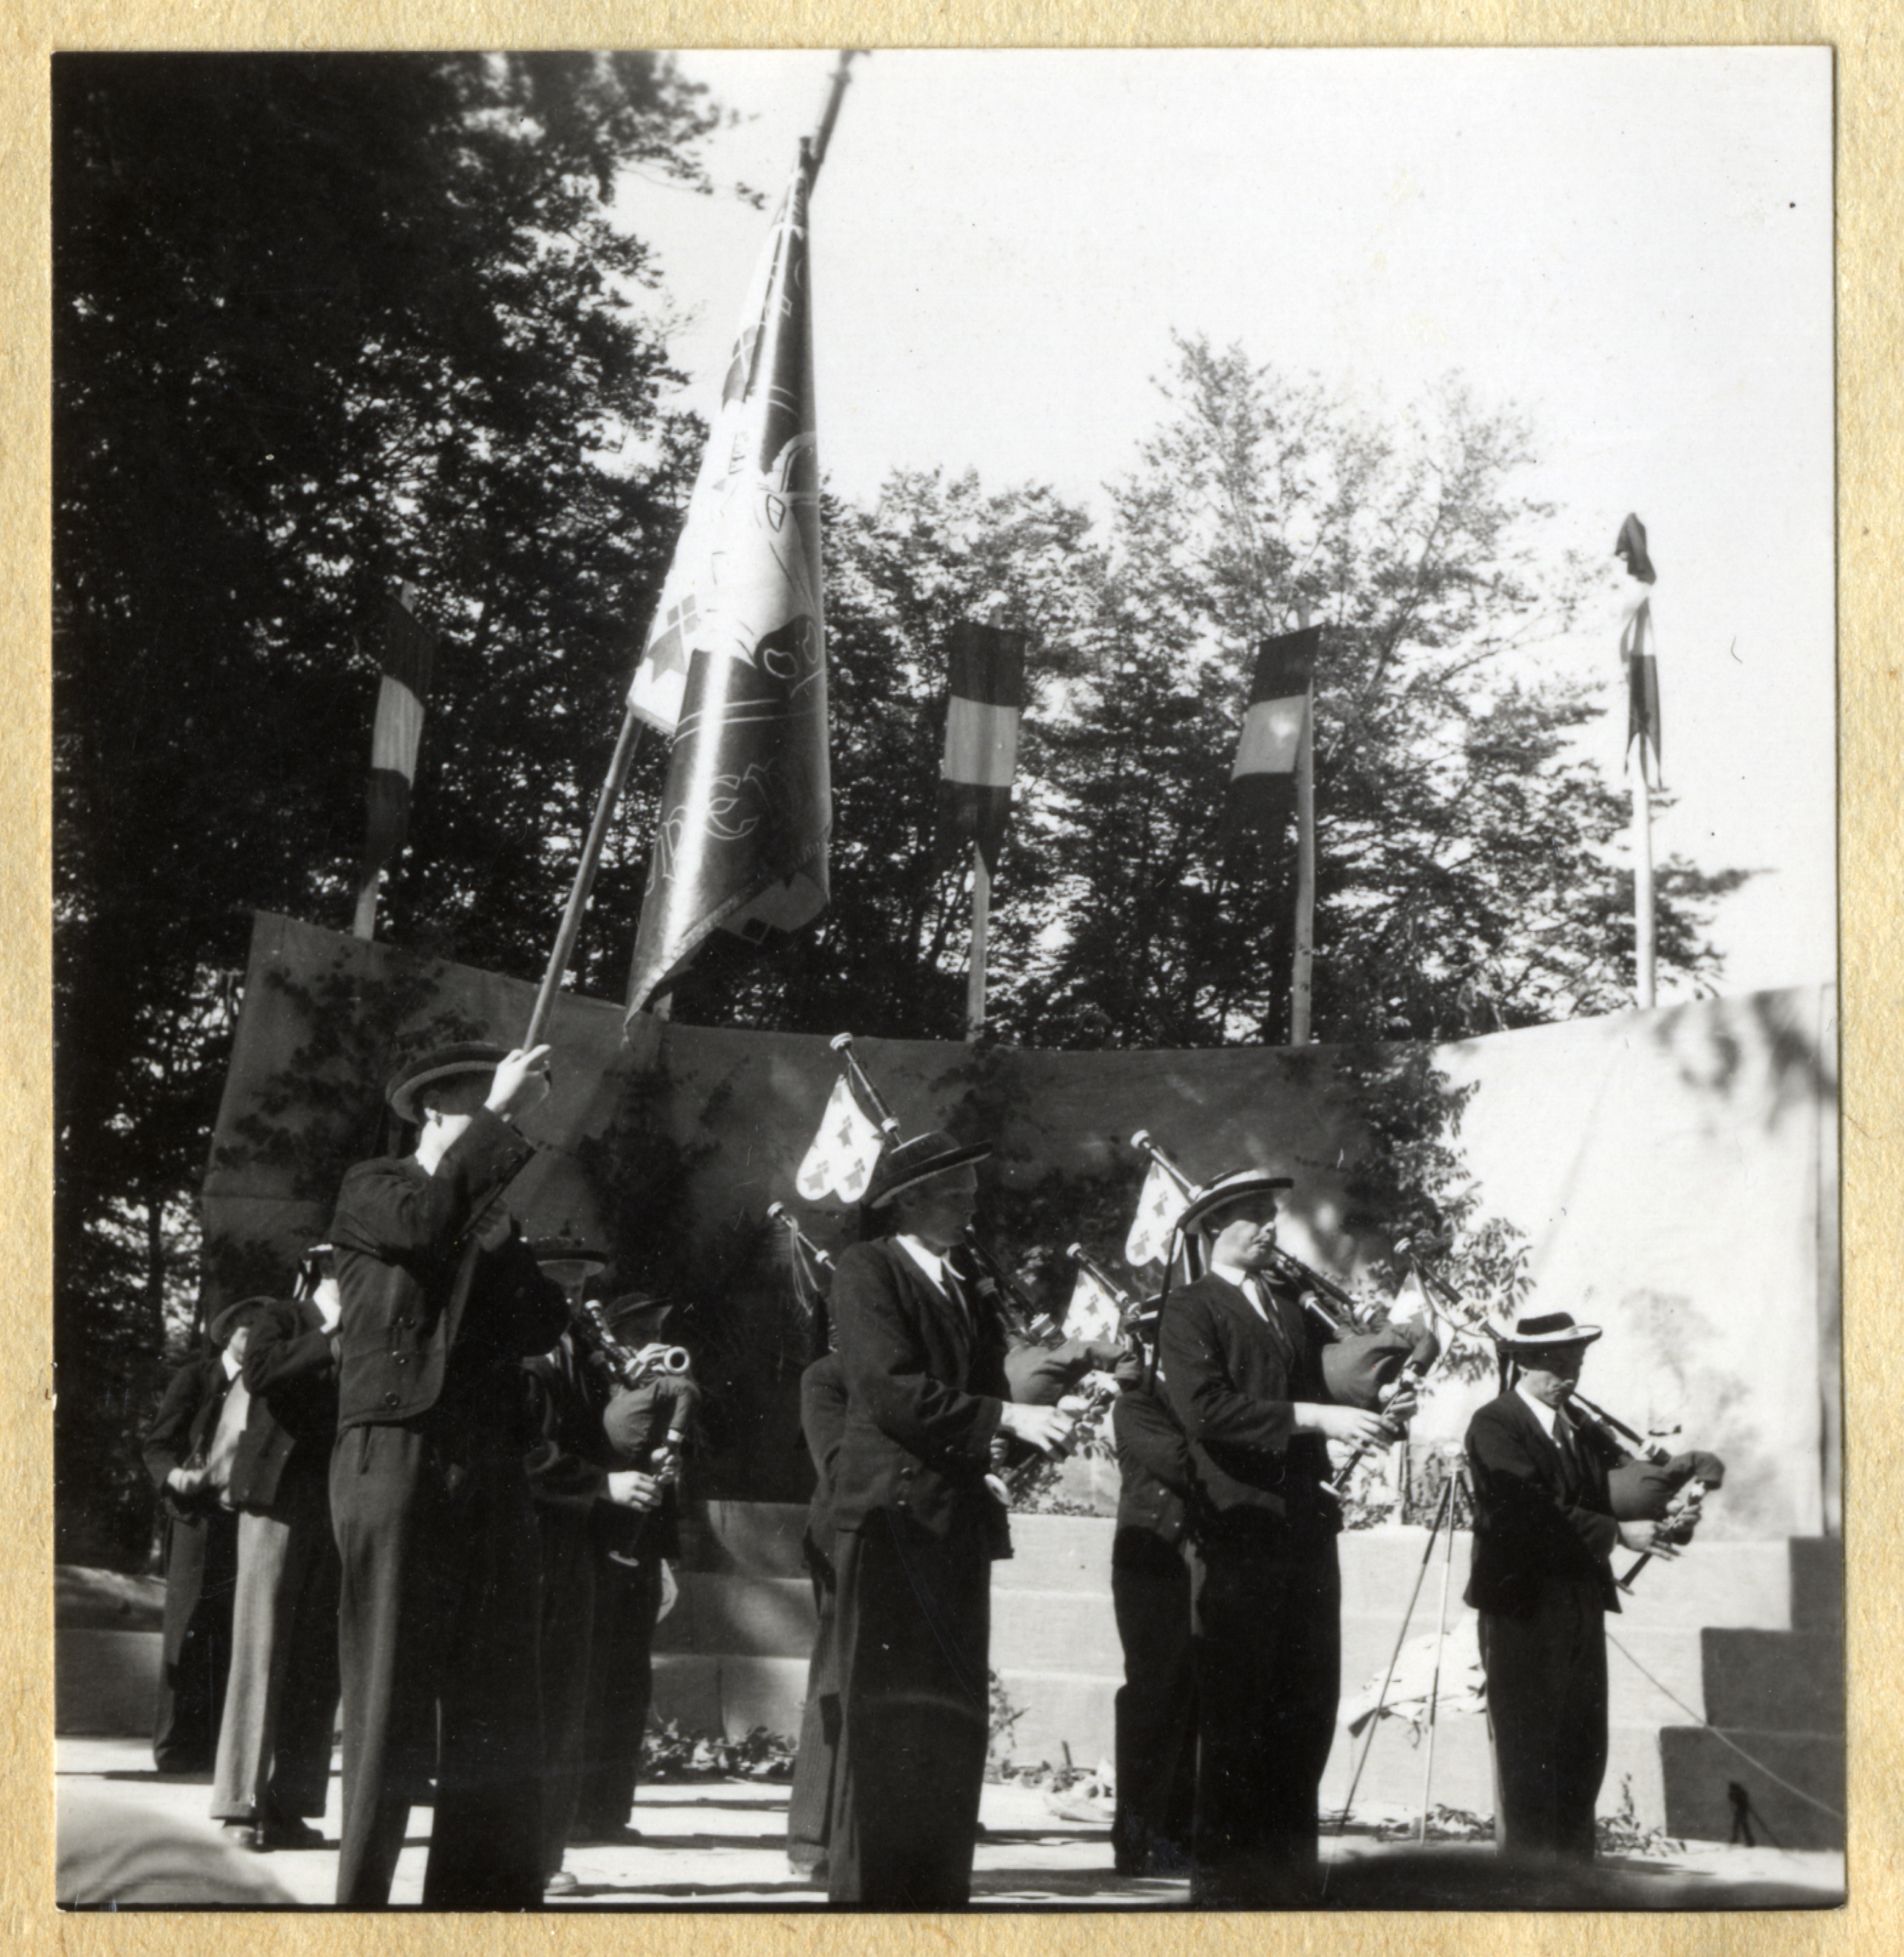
1581 1335
446 1063
227 1322
925 1171
1220 1196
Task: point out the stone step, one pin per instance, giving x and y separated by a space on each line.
1776 1681
763 1617
1818 1585
1699 1767
106 1681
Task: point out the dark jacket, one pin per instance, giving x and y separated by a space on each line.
291 1373
1154 1467
568 1462
1538 1517
401 1235
637 1421
926 1388
1232 1380
181 1429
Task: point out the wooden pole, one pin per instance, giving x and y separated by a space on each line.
975 991
1643 900
816 148
626 743
1305 863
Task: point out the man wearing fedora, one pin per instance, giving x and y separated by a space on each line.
916 1528
1542 1582
1240 1362
442 1301
273 1772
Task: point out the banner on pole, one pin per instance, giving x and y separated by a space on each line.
985 699
1262 782
408 655
741 844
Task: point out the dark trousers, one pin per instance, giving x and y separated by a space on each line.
568 1560
1157 1705
621 1688
201 1574
1268 1672
809 1805
437 1639
913 1628
281 1695
1547 1716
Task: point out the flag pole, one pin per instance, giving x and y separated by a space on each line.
1305 862
626 743
1642 901
975 987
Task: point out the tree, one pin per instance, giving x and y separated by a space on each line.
1464 877
321 323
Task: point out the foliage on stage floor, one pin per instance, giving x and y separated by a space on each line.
669 1754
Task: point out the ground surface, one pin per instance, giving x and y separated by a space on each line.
127 1835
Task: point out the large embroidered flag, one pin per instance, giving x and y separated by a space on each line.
1638 650
987 695
409 650
741 843
1160 1203
844 1151
1262 782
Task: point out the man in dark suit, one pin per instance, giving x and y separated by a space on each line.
1152 1577
273 1771
200 1550
1242 1368
438 1631
915 1529
1542 1582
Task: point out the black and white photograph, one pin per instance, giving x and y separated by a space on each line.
945 980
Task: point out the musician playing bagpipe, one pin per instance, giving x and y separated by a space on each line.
1241 1357
1550 1489
638 1535
915 1528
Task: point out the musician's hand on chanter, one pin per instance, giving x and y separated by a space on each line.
1338 1423
521 1082
631 1489
1048 1429
1646 1539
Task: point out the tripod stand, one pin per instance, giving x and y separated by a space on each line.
1442 1529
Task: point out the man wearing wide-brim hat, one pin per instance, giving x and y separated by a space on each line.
922 1352
437 1633
1240 1362
1542 1582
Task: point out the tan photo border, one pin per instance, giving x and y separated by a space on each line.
1868 87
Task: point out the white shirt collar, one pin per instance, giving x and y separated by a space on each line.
1541 1411
1236 1274
930 1262
232 1366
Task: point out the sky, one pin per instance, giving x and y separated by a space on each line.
1631 246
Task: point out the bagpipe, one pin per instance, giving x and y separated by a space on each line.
655 1364
1667 1490
1366 1358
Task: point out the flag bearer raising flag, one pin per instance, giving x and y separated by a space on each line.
734 667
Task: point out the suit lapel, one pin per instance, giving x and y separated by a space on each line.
1546 1448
